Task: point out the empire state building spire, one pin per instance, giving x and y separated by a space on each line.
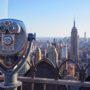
74 26
74 22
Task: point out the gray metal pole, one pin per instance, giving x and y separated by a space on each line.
10 82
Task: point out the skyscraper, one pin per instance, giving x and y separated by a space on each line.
74 43
52 54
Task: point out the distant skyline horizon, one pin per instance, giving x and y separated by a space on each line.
49 18
57 37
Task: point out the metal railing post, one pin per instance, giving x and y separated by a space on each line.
44 86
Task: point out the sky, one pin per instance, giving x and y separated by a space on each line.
49 18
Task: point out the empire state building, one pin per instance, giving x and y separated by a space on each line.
74 43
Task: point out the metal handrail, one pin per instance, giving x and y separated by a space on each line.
53 81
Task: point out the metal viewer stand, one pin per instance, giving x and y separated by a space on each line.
10 74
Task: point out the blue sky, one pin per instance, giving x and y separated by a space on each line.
49 18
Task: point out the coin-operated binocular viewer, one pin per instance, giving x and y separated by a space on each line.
14 49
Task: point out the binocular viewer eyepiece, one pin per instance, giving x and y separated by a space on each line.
9 26
13 41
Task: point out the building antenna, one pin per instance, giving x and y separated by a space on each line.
74 21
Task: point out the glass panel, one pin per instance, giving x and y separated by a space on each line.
3 9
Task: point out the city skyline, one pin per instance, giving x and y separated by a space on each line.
49 18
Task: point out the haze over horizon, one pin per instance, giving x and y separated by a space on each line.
49 18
